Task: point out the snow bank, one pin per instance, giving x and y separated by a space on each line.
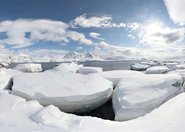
67 67
29 67
88 70
137 95
139 67
71 93
116 75
157 70
17 115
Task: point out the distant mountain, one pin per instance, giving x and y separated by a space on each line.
74 56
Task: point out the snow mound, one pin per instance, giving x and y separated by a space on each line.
71 93
88 70
157 70
139 67
29 67
116 75
17 115
67 67
137 95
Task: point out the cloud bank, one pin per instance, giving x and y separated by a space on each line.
24 32
176 10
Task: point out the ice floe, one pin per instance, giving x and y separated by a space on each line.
157 70
137 95
29 67
139 67
70 92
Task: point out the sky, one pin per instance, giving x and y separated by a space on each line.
128 28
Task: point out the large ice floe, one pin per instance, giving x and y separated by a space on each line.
157 70
70 92
29 67
19 115
116 75
137 95
88 70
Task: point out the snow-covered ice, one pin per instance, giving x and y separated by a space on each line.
5 80
17 115
180 72
139 67
88 70
70 92
10 72
137 95
29 67
157 70
3 64
116 75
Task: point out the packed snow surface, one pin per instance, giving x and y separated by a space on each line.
70 92
137 95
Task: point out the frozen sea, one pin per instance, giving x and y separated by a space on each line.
106 65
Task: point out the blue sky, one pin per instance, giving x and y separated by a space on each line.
86 25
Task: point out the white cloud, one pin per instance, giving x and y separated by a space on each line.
95 35
106 50
176 10
101 22
38 30
75 36
156 34
98 22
